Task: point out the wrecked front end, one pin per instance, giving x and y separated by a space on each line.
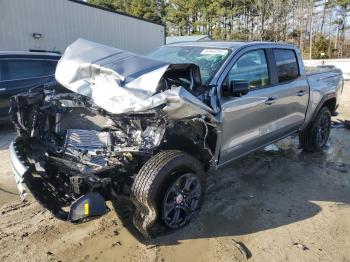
76 148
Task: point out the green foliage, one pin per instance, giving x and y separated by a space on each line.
146 9
110 4
269 20
321 48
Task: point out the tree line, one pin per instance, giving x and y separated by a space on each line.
318 27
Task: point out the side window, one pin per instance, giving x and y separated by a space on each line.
1 70
287 64
19 69
251 67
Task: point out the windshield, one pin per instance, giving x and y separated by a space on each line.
207 59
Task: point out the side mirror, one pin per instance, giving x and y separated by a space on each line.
235 88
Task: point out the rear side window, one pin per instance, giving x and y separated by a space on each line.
20 69
287 64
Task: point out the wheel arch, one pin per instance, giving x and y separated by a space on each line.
330 101
192 140
331 104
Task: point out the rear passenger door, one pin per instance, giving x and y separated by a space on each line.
20 74
293 88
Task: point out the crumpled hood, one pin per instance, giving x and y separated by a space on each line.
121 82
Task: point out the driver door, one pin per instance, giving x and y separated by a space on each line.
248 122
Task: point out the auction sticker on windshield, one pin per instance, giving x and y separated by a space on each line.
214 52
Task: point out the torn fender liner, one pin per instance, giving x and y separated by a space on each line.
122 82
89 205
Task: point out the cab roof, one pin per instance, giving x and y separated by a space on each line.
229 44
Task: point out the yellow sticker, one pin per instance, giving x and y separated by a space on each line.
86 209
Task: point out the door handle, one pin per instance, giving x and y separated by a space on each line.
2 89
270 100
301 93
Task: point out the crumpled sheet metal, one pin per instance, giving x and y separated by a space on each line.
182 104
123 82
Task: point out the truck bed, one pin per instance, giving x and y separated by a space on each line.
323 81
312 70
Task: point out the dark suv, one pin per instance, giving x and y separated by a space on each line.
20 71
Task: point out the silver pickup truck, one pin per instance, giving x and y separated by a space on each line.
148 128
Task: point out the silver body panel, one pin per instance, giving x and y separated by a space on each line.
246 123
323 86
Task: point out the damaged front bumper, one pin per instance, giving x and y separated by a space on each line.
19 169
91 204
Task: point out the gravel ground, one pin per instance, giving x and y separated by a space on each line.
269 206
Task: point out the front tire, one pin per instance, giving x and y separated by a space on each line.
315 137
167 192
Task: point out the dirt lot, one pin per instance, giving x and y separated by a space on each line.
281 205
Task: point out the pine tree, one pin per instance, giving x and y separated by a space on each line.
301 22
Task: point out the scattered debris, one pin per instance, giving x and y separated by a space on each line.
243 249
301 246
115 232
341 167
341 124
269 210
49 253
25 234
248 197
3 235
151 246
118 243
272 148
338 166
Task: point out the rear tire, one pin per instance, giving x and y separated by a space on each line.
157 182
316 135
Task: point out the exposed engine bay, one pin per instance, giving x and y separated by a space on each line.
76 147
80 138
